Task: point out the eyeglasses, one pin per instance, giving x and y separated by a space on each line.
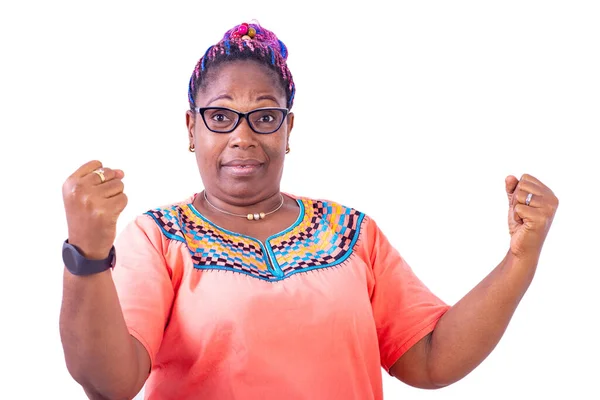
225 120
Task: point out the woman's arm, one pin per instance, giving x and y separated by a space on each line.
100 353
467 333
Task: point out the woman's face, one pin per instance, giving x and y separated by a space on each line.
241 167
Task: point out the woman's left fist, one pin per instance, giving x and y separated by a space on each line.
532 206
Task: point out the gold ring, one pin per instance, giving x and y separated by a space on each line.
100 173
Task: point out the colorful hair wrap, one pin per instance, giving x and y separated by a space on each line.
245 42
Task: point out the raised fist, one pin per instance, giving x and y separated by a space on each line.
94 199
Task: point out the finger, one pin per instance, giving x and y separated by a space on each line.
530 178
542 195
118 202
536 200
532 187
115 174
109 174
119 174
111 188
522 191
511 183
529 216
86 168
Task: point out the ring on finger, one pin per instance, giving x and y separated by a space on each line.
100 173
528 199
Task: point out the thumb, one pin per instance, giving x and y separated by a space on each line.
511 183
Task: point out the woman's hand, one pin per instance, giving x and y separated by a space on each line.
94 199
532 206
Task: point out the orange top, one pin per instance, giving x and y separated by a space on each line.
313 313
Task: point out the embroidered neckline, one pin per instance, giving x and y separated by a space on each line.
323 235
296 223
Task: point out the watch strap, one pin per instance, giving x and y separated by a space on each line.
78 264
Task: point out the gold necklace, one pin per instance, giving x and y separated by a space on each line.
250 217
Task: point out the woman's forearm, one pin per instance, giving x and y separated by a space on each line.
470 330
99 351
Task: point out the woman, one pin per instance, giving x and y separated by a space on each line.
243 292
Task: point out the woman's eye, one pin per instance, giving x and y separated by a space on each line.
219 117
266 118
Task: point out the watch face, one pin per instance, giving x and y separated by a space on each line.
70 258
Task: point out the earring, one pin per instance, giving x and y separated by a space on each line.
287 150
192 148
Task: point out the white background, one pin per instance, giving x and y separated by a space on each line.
413 115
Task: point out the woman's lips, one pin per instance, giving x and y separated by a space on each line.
242 167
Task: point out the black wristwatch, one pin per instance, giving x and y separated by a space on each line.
77 264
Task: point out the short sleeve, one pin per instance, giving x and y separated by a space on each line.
405 310
143 282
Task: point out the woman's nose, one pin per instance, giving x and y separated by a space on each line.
242 136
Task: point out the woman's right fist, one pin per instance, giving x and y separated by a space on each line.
94 199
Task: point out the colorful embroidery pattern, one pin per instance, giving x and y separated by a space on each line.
323 236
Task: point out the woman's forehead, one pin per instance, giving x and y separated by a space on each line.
242 70
242 79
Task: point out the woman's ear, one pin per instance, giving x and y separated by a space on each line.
290 125
190 122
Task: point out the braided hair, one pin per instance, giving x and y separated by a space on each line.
245 42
